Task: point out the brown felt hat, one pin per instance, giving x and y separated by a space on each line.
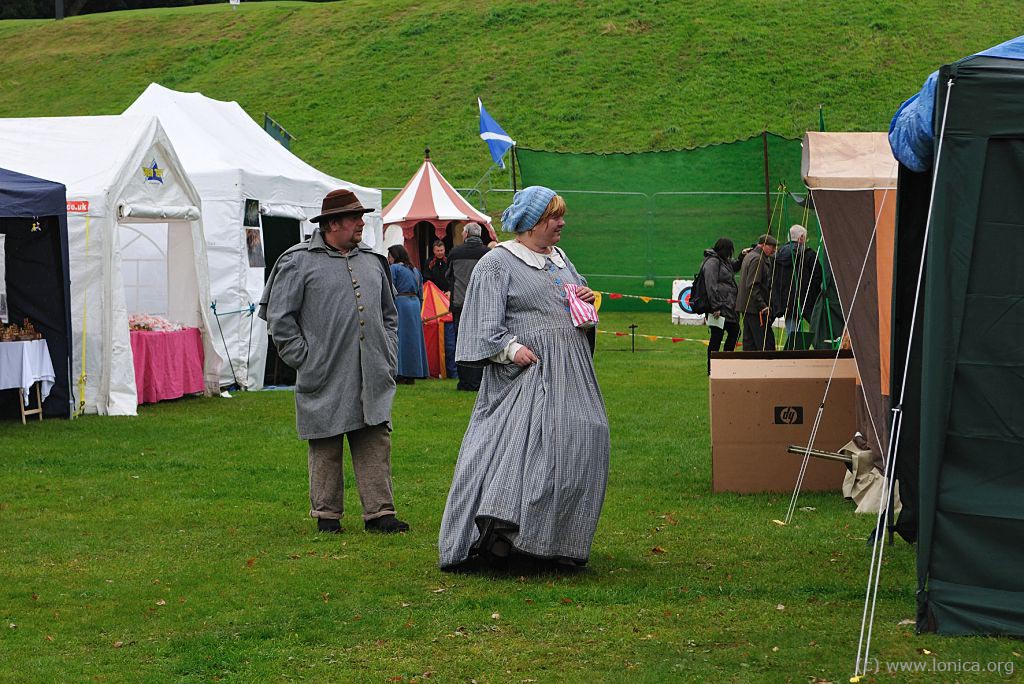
339 203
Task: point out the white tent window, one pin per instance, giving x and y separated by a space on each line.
144 267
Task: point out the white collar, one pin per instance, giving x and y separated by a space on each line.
531 258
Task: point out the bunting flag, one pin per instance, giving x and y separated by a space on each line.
645 299
655 338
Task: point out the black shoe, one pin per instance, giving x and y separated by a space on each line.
386 524
328 525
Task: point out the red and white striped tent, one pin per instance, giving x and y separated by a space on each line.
429 200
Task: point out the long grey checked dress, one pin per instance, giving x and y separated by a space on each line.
534 461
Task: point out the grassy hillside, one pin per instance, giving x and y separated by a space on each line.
366 84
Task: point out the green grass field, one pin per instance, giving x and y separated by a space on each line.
176 546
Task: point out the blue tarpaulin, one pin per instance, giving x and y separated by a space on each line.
911 134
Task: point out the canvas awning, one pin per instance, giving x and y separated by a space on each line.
848 161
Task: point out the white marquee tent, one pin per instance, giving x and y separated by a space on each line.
124 184
230 158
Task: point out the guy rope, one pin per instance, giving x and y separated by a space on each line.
877 549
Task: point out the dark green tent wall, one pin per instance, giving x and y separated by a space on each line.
964 406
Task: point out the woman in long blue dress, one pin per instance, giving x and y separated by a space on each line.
412 352
531 474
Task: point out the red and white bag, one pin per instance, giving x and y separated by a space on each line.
583 315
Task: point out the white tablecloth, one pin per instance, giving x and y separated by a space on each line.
23 363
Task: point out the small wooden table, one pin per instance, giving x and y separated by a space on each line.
26 366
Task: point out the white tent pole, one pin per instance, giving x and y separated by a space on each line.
860 667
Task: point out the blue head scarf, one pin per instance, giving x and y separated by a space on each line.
527 207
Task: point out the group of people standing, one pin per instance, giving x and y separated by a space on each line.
530 478
773 282
451 274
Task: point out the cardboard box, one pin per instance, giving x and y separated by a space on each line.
763 402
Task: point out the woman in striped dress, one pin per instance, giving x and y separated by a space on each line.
531 474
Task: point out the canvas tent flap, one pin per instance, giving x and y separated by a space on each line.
287 211
34 231
852 179
964 384
140 212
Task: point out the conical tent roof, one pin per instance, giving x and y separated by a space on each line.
429 197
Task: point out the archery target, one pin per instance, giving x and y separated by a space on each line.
681 312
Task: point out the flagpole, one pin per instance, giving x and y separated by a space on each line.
512 158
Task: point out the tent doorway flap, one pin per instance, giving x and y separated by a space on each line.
284 211
147 212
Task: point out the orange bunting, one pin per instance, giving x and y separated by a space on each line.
653 338
644 298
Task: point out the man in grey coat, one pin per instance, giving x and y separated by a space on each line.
329 305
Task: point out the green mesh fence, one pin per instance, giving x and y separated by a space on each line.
637 221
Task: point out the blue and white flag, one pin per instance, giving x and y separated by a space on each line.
494 135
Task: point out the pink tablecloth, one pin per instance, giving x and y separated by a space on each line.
168 365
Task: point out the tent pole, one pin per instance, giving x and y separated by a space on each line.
767 182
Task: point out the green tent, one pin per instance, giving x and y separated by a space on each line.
963 409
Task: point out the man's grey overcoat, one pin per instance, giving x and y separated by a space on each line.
332 317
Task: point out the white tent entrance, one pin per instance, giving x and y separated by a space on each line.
158 267
128 196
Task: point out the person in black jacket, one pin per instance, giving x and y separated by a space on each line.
437 268
797 282
461 263
720 282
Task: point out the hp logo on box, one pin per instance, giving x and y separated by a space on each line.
789 415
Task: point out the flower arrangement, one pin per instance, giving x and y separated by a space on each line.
152 322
